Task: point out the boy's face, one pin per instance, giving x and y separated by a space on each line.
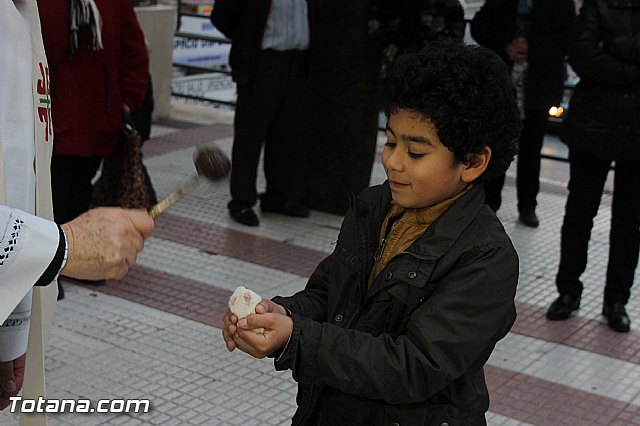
421 170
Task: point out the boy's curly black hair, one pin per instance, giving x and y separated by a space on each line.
467 92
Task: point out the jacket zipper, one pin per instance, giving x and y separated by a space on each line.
380 249
383 244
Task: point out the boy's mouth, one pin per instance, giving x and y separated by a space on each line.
397 185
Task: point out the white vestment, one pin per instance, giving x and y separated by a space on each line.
28 236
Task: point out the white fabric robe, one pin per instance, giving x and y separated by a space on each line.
38 238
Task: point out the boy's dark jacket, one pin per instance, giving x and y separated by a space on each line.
410 349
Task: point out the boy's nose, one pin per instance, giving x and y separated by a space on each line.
395 161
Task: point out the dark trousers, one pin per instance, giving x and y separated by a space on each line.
530 145
587 178
528 174
270 113
71 185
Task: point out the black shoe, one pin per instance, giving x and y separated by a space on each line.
94 282
60 290
562 307
617 318
529 218
288 208
244 216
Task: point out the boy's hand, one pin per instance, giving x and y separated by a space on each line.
266 306
518 49
277 329
230 320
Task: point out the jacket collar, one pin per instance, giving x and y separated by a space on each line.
441 235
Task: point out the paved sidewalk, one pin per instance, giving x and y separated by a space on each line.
156 334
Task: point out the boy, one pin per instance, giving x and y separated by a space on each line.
394 327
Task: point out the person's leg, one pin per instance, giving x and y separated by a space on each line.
587 177
254 111
71 189
493 192
528 161
71 185
624 237
285 149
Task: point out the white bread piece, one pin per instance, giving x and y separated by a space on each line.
243 302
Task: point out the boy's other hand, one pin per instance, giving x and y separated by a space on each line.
277 329
517 50
230 320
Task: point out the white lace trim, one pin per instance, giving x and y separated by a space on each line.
11 240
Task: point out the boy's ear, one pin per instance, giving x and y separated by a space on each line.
477 165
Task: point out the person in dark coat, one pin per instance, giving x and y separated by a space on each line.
602 126
269 44
531 37
397 323
404 26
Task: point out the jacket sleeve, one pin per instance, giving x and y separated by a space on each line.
312 301
134 61
488 29
226 15
590 58
449 334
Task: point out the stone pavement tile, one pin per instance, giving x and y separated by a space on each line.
538 402
242 245
164 360
196 136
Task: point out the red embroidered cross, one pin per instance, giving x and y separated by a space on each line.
44 111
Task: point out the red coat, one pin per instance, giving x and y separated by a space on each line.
88 90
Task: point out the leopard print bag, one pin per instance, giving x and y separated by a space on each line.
124 181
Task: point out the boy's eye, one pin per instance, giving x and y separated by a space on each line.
390 144
415 155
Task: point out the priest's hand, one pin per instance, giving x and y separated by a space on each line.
11 379
103 243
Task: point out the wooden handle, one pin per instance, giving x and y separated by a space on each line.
170 199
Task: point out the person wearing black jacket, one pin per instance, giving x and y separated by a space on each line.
268 59
535 33
404 26
395 326
602 126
